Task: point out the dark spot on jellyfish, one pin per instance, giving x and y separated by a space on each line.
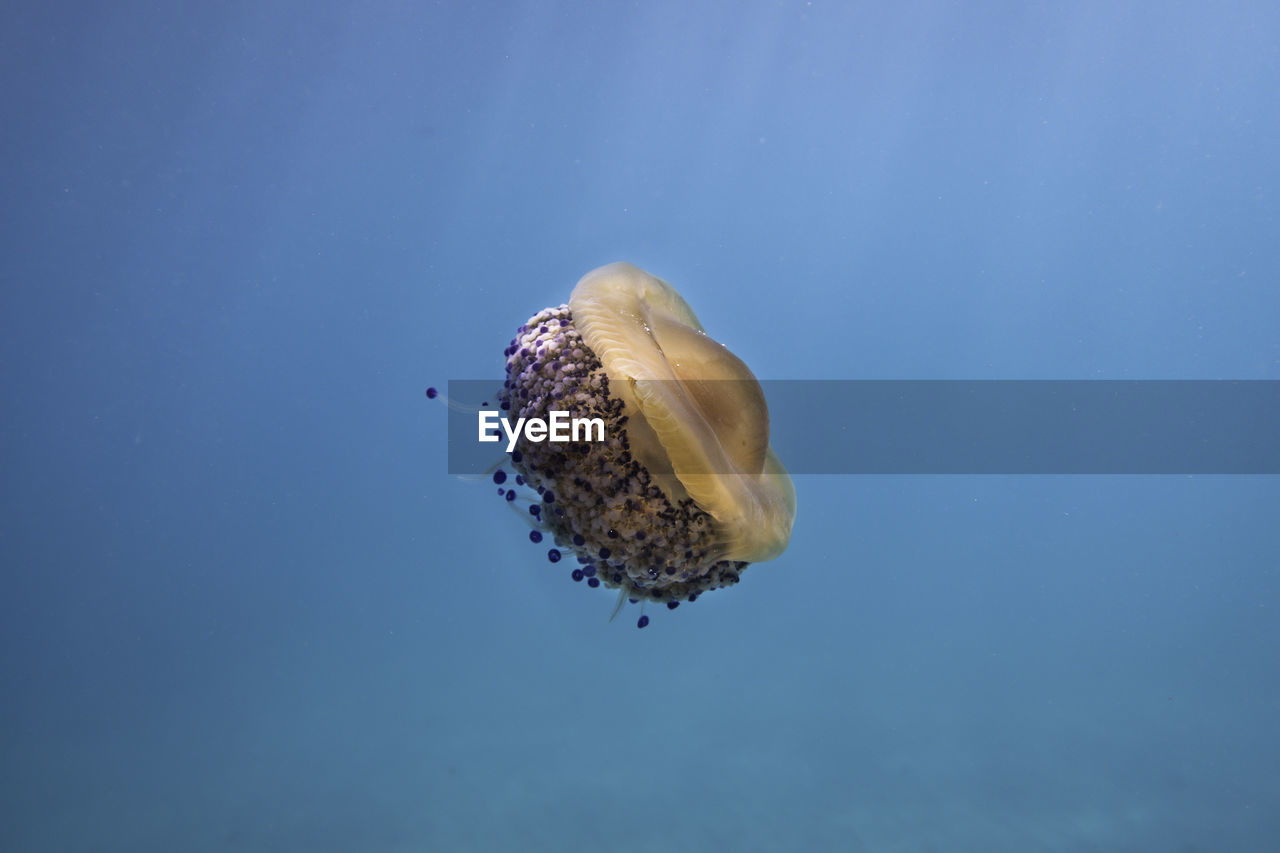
549 497
672 605
639 535
511 495
535 536
612 534
589 570
577 575
643 621
593 582
499 476
604 553
553 555
578 540
432 393
535 510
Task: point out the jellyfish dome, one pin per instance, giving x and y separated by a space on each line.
684 491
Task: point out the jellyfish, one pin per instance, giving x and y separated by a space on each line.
684 491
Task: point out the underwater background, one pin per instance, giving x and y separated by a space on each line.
245 607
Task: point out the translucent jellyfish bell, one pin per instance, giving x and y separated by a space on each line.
699 421
684 490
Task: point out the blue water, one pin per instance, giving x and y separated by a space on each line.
244 607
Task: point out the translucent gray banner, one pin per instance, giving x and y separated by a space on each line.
984 427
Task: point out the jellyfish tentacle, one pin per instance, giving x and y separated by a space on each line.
451 404
617 606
